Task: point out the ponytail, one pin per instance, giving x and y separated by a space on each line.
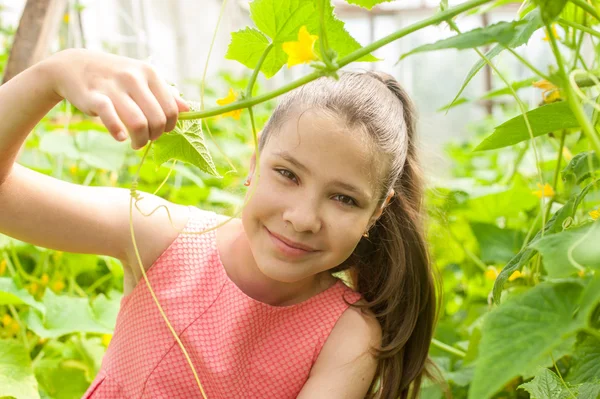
392 270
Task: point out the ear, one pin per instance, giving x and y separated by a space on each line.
379 211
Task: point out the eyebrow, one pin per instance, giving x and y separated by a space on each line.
349 187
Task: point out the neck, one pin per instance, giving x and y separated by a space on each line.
244 272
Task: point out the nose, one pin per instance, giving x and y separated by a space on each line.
304 215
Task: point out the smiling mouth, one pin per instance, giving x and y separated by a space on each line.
289 248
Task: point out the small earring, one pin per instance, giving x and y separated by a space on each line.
366 234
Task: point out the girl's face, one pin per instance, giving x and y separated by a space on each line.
314 199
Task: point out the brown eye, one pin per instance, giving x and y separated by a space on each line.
287 174
344 199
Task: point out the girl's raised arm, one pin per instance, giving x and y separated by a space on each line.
128 96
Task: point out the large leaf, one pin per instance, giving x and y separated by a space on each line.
62 379
546 385
534 22
279 21
496 244
185 143
338 37
551 9
368 4
65 315
97 149
563 251
10 294
543 120
509 202
16 375
501 32
586 361
524 328
553 225
580 167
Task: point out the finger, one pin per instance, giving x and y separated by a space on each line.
103 107
181 103
151 108
166 100
134 119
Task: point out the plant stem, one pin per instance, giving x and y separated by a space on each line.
586 126
256 71
528 64
556 172
448 14
448 348
586 7
22 332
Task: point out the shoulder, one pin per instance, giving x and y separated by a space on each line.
346 364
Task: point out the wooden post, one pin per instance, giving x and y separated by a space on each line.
38 26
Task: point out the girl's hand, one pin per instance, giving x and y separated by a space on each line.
128 95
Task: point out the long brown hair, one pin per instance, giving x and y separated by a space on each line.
391 268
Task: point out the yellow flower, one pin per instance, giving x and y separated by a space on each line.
516 274
544 85
44 279
546 191
301 52
2 266
106 339
595 214
14 327
6 319
33 288
66 18
58 286
491 273
231 97
581 273
550 92
73 169
554 33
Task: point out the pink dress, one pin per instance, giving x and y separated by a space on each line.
240 347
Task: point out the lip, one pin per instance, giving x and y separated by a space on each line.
289 247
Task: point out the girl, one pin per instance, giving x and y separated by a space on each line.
254 302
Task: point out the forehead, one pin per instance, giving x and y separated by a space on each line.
325 145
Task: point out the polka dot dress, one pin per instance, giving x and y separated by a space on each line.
240 347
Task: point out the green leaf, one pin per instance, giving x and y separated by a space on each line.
546 385
368 4
551 9
516 334
543 120
496 244
501 32
246 47
509 202
101 150
589 391
576 246
16 375
534 22
106 309
65 315
280 21
10 294
97 149
552 226
62 379
580 167
338 37
586 361
185 143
